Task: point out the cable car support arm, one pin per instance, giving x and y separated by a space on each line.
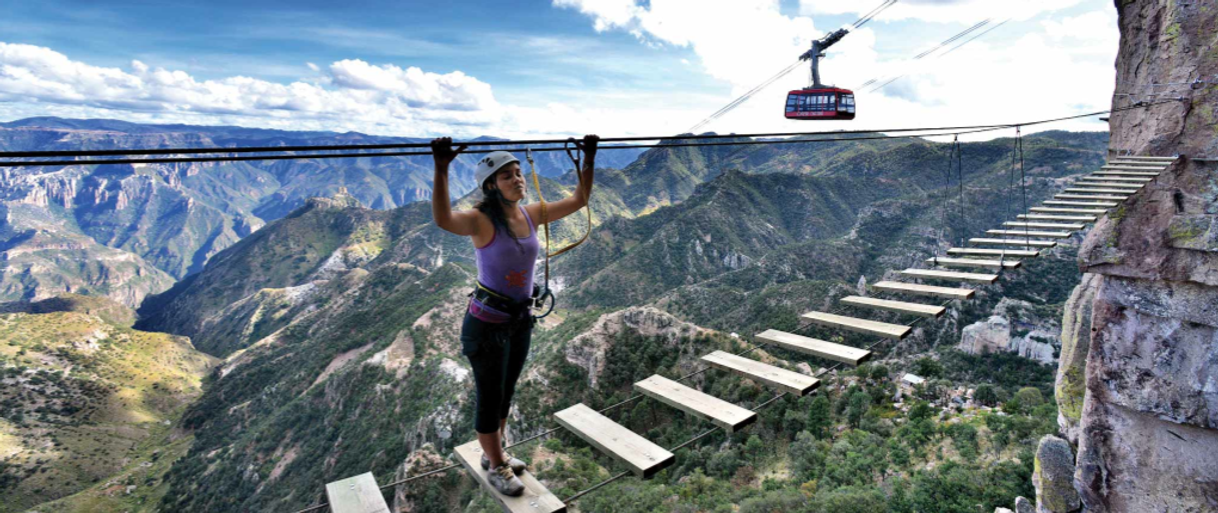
818 50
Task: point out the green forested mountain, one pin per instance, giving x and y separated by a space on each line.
90 407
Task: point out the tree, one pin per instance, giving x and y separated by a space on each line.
793 422
859 403
927 367
1029 398
985 395
879 372
820 418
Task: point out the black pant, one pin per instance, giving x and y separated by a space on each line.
496 353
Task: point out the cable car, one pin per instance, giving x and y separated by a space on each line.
821 103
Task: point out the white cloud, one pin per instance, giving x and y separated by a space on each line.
410 99
941 11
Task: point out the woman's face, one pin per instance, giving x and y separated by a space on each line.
510 182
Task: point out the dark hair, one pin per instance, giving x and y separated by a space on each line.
491 204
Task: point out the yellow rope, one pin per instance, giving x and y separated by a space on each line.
545 214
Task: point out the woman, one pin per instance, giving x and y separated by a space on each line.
498 324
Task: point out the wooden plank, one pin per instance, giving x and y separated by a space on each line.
973 262
1096 211
357 494
1014 242
1093 190
1118 178
535 499
704 406
1090 204
815 347
642 457
919 309
1130 171
1090 197
1108 185
1127 171
1015 253
931 274
923 290
774 377
1057 217
883 329
1051 226
1154 158
1023 233
1141 163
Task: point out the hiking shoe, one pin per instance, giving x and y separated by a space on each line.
517 466
505 481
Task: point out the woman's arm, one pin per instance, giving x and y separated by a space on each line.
460 223
564 207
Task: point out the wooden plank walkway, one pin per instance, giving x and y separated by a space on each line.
535 499
642 457
883 329
357 494
1051 226
1022 233
705 406
815 347
931 274
1014 242
919 309
1057 217
1014 253
973 262
1152 158
1096 211
1091 204
1090 197
774 377
923 290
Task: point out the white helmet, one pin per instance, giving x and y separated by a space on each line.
487 168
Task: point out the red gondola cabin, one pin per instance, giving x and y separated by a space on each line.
820 104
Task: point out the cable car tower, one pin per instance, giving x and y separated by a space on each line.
818 101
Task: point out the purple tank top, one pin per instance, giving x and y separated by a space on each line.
507 269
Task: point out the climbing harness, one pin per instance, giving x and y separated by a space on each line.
543 293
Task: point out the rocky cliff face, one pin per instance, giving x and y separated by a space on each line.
1149 418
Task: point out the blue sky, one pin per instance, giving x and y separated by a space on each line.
542 67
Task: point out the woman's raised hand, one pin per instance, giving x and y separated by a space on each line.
442 150
589 144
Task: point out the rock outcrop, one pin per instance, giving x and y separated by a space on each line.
1051 475
1149 420
1075 339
